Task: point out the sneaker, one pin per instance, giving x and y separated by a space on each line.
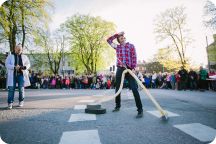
139 115
116 109
10 106
21 104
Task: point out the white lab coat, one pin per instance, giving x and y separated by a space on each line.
10 70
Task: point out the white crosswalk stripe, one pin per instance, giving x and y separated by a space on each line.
82 117
86 101
214 141
79 107
80 137
158 114
198 131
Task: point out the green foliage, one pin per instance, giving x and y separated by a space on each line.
212 53
166 57
89 48
155 66
20 18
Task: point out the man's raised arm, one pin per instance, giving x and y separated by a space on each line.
110 41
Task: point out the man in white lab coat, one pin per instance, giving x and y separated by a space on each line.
17 66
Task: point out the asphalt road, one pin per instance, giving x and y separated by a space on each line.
57 117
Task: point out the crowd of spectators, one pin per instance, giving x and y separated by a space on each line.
179 80
100 81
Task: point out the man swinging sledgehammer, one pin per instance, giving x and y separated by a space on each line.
126 58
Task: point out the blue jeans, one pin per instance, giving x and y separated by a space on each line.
11 89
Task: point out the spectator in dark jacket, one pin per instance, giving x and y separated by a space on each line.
192 78
183 78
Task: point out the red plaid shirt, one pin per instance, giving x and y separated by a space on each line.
126 53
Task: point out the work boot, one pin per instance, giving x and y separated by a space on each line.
116 109
140 114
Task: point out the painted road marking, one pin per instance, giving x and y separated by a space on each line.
198 131
79 107
1 141
80 137
82 117
214 141
86 101
158 114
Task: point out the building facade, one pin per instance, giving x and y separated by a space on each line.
211 52
39 63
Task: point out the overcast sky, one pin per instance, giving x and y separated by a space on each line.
135 18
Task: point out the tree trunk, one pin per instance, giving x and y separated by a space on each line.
13 27
23 26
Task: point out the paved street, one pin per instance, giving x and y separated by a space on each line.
57 117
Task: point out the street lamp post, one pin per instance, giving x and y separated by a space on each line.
63 57
207 53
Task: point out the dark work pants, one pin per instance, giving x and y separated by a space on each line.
193 84
183 84
133 86
203 84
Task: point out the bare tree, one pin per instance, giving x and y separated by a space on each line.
171 25
210 15
53 48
